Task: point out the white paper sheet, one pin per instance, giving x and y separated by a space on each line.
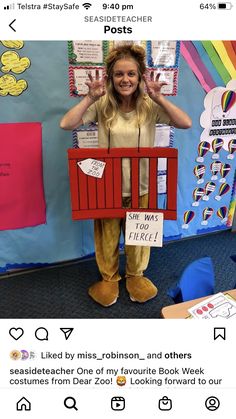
88 51
217 306
164 53
87 139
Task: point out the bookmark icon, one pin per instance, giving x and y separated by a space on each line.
219 332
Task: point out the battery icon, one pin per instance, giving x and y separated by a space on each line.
225 6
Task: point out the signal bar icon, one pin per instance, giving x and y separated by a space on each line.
86 5
9 6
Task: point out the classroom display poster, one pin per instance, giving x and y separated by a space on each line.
21 178
15 62
85 137
87 52
163 53
212 200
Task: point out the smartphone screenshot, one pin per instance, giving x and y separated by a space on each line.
117 209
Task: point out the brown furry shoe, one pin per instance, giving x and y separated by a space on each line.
104 292
140 289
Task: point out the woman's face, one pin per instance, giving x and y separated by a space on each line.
125 77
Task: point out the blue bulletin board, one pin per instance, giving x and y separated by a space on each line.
44 96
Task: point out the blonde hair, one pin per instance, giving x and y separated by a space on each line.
110 102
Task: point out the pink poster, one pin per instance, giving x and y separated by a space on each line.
22 202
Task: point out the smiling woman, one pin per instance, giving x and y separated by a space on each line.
126 117
125 77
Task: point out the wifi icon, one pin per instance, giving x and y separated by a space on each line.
87 5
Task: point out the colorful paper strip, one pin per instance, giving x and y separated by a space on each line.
190 61
208 63
216 61
221 50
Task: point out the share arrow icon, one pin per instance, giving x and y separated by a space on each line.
67 331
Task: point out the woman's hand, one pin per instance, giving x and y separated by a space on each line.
97 87
153 86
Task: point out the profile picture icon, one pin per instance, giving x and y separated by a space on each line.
24 355
15 355
212 403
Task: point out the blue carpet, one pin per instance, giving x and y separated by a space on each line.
61 292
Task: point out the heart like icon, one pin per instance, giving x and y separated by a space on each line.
16 333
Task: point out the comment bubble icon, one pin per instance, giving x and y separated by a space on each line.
41 333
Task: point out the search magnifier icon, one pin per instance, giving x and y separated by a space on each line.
70 403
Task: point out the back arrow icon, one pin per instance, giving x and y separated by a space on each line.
12 26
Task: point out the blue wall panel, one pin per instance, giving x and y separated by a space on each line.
46 100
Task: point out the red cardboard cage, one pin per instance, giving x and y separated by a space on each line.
102 198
